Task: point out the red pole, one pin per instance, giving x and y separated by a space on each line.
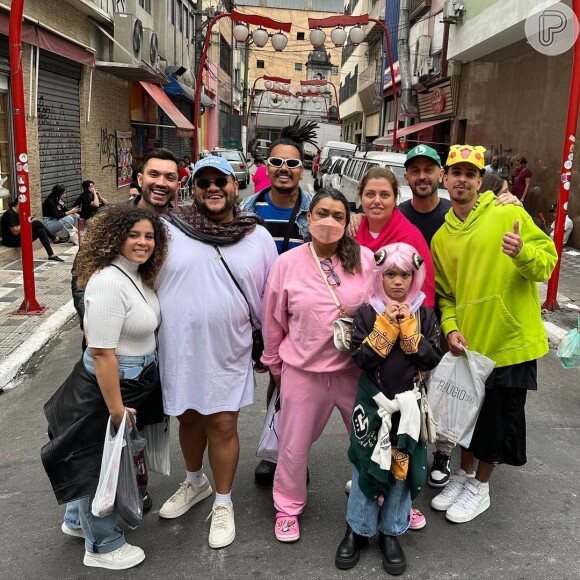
551 302
394 82
30 305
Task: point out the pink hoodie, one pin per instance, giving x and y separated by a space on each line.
261 179
298 312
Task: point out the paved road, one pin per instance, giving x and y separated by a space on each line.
531 531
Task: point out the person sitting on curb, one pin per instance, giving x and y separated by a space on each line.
10 226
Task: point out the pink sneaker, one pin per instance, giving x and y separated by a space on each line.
418 520
286 528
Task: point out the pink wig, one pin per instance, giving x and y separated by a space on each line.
403 257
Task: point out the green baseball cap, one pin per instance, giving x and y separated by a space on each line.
423 151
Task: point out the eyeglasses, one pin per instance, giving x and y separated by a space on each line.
331 275
204 183
291 163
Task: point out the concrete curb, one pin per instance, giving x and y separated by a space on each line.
10 367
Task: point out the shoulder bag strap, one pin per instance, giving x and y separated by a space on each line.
291 223
332 292
222 260
131 280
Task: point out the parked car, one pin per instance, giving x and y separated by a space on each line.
323 171
332 177
236 159
333 149
261 147
358 165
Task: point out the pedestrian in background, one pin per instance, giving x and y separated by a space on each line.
521 179
313 376
10 227
57 219
90 200
121 316
494 182
260 176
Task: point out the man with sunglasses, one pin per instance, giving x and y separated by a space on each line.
210 290
283 206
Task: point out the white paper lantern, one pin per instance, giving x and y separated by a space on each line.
338 36
317 37
356 34
268 85
241 32
260 37
279 41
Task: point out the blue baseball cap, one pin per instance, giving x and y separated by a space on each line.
216 162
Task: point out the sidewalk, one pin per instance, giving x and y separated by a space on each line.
23 335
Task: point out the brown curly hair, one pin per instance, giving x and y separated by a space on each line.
106 235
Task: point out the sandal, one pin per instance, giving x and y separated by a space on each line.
286 528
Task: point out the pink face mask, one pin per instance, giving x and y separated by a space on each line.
326 230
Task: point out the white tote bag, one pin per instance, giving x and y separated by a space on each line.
456 392
269 442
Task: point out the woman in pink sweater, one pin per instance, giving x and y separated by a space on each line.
260 177
297 317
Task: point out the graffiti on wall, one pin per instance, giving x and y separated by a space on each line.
107 149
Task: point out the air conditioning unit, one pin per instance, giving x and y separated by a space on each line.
129 34
453 11
150 48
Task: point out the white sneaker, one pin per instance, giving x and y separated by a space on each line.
122 558
223 528
348 486
472 501
447 497
74 532
185 498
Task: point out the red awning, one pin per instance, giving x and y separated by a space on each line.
184 127
38 36
419 127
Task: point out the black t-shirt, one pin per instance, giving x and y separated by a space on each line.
84 201
51 208
427 223
9 220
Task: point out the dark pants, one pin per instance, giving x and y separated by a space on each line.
39 232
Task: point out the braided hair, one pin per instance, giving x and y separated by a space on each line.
296 135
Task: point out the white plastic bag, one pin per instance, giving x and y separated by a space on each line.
456 392
104 500
157 449
269 443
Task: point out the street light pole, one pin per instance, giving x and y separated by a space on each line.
239 17
363 19
30 305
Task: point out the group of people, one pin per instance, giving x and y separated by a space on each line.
293 264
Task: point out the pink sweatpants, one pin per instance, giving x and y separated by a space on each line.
307 400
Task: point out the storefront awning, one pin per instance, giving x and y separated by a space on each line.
174 87
184 127
131 72
388 139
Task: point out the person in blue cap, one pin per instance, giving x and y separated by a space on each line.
210 290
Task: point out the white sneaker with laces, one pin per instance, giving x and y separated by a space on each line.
122 558
472 501
447 497
223 528
185 498
74 532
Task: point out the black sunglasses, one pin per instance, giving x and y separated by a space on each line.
204 183
290 163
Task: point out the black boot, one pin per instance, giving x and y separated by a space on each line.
394 561
348 552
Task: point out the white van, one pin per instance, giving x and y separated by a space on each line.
335 149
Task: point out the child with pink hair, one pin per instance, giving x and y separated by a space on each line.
393 337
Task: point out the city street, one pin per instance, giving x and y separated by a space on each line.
531 530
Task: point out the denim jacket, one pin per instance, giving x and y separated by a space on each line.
249 203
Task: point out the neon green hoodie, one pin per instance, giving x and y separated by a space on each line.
490 298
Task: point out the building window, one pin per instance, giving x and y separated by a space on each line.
186 22
334 70
225 56
192 26
179 15
146 5
259 64
300 36
297 66
171 12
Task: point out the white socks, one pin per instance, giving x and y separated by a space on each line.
195 477
223 498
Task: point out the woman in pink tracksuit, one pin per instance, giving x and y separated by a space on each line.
313 375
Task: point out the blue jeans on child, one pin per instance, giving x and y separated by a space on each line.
102 534
364 515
